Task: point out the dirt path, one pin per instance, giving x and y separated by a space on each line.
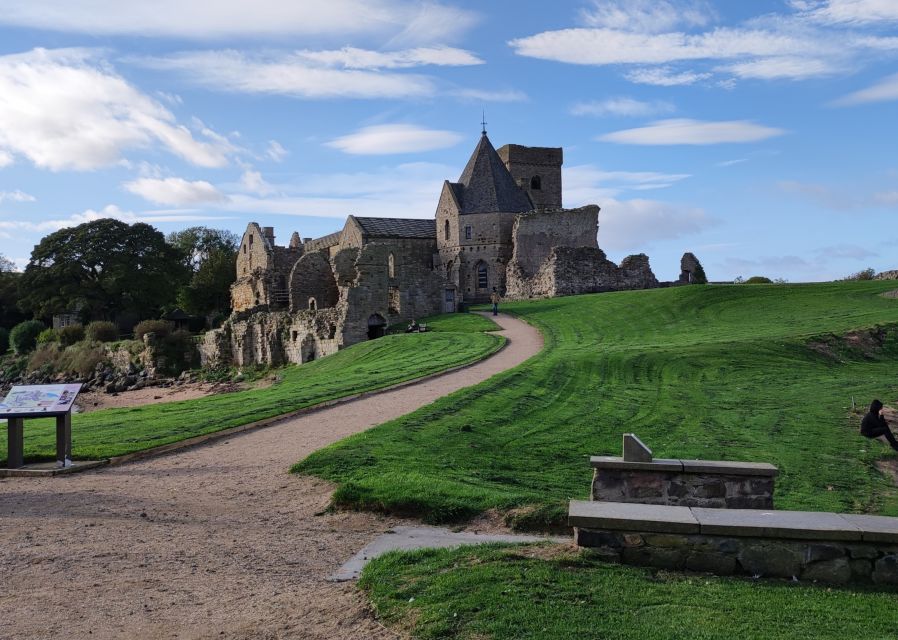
217 541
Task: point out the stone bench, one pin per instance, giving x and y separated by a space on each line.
688 483
826 547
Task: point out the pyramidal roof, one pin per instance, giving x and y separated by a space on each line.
487 186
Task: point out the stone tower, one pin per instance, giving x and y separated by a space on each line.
536 170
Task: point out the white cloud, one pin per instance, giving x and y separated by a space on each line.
16 196
287 74
275 151
841 197
730 163
411 21
845 252
855 12
10 227
784 67
354 58
885 90
253 182
693 132
664 76
621 106
650 16
584 184
65 109
631 225
176 192
501 95
887 198
394 138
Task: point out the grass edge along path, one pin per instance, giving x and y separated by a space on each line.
451 343
712 372
548 592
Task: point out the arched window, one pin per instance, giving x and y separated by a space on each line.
449 270
446 230
483 279
391 265
536 183
312 304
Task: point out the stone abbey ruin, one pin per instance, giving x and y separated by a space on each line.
501 227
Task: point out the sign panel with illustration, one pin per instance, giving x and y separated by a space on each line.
37 400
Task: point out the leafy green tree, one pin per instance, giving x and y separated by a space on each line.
210 254
23 337
10 314
103 268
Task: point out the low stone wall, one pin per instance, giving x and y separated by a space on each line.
830 561
688 483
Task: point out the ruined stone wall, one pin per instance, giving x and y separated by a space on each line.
250 291
572 271
544 163
313 278
255 252
888 275
536 234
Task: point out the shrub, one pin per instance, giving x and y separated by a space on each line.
4 340
162 328
866 274
23 337
71 334
101 331
759 280
180 352
47 336
83 358
46 358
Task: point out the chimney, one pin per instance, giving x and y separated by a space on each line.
268 232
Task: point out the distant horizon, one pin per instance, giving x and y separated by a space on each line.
759 137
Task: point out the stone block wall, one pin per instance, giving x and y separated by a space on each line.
525 163
888 275
831 561
536 234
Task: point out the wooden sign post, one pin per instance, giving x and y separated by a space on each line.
39 401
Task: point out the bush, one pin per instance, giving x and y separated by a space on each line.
71 334
866 274
759 280
83 358
46 358
180 352
47 336
23 337
101 331
162 328
4 340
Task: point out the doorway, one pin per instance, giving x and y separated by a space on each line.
377 326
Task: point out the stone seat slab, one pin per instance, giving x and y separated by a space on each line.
799 525
629 516
728 467
614 462
875 528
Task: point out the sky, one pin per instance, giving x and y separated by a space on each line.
759 135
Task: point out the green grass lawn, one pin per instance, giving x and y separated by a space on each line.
456 340
713 372
510 593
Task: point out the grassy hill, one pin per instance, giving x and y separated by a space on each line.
758 373
453 340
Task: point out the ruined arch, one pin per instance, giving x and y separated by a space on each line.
377 326
313 279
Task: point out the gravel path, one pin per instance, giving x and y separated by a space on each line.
218 541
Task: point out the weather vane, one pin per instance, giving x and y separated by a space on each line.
483 121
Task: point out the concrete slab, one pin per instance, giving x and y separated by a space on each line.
874 528
627 516
411 538
44 469
799 525
730 467
613 462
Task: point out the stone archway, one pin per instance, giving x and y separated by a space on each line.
377 326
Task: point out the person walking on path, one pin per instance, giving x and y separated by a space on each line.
494 298
874 424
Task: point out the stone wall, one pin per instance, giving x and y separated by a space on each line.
535 235
312 278
831 561
684 483
544 163
888 275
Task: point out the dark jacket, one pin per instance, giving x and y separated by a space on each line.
873 423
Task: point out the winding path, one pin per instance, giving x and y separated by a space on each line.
217 541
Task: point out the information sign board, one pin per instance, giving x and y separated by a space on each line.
38 400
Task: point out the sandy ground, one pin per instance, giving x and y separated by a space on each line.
96 400
217 541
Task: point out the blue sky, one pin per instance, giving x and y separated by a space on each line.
759 135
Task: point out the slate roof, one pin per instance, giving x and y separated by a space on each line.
398 227
486 186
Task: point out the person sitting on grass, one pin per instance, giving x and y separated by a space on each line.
413 327
874 424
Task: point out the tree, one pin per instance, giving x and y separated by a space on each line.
102 268
10 315
210 254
